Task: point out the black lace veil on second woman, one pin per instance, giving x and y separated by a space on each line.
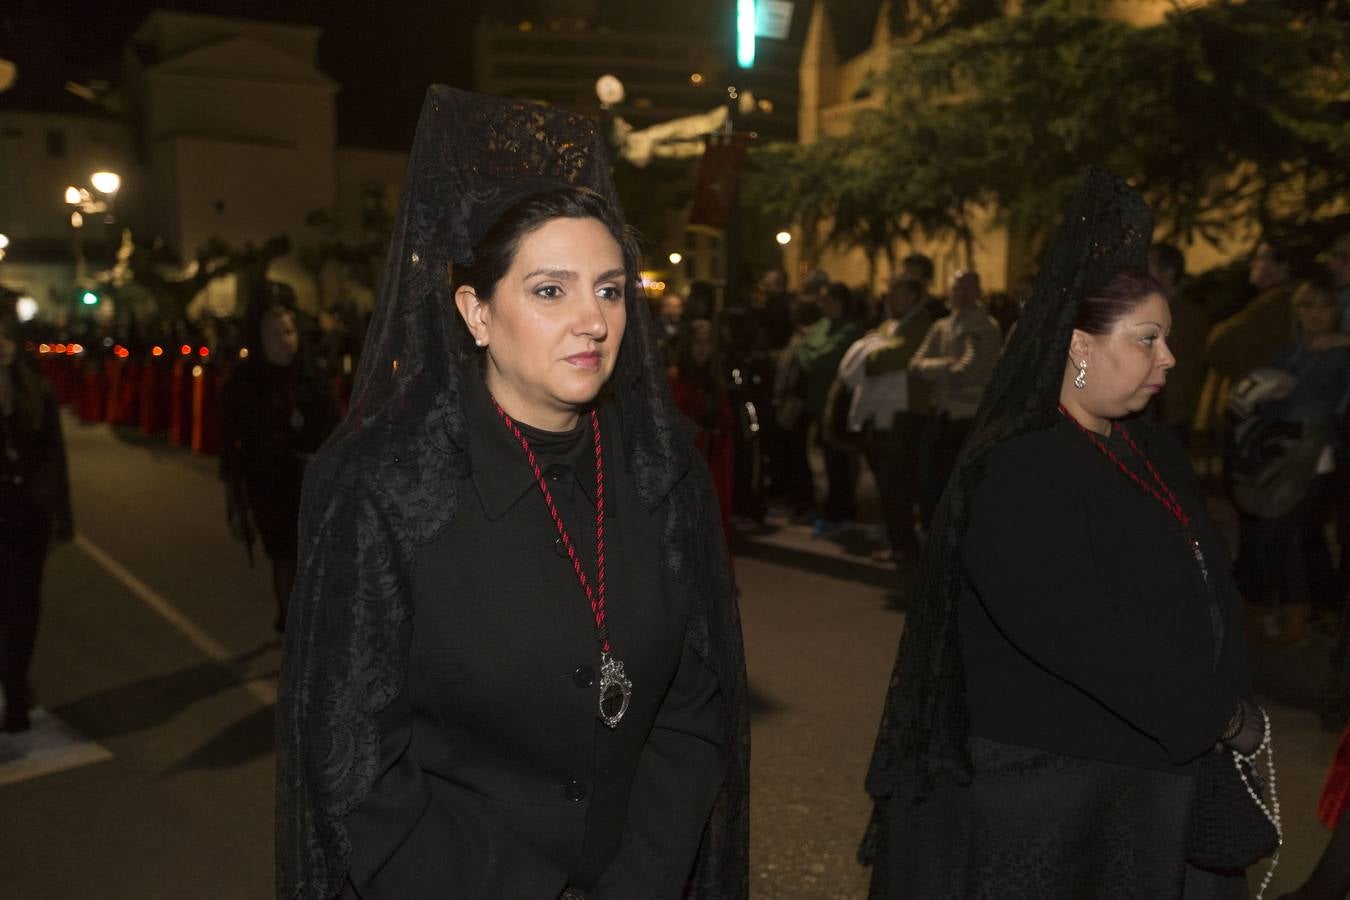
385 483
925 724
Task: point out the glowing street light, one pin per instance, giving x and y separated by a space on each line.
27 308
783 238
105 182
74 195
4 241
676 258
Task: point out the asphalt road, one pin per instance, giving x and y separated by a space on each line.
156 646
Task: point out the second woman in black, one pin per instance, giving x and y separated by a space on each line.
1077 647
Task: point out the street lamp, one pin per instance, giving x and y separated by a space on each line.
106 182
84 202
783 238
676 258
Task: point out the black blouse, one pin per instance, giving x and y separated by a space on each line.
1086 624
498 779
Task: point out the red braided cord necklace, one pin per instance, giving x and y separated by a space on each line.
615 688
1162 493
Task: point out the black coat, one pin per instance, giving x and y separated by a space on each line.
497 779
1085 624
35 492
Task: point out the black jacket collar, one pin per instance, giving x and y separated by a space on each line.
498 467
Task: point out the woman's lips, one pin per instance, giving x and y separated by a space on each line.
1153 388
590 360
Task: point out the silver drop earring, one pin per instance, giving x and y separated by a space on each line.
1081 381
480 342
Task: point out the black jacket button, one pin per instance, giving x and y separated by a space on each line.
575 791
583 677
556 472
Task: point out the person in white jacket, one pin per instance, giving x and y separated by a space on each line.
889 407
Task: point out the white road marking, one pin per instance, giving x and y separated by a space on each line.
261 688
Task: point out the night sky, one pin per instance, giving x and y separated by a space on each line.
384 54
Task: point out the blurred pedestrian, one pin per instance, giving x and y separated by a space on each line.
1071 656
822 347
773 308
700 394
34 509
277 408
1289 442
957 359
1190 327
1336 261
790 480
669 324
889 408
514 665
920 268
1249 338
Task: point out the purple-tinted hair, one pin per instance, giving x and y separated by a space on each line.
1103 308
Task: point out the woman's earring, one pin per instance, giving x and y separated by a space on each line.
480 342
1081 381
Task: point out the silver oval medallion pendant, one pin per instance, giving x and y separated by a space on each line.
615 690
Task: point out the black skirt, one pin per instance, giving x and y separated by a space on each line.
274 500
1034 824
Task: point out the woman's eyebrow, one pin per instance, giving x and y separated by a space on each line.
566 274
612 273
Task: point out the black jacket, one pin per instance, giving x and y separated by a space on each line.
1085 624
497 778
33 466
272 417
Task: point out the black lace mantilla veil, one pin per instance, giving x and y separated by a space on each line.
386 482
925 723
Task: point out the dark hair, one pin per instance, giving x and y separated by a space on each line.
496 249
920 262
1169 258
1101 309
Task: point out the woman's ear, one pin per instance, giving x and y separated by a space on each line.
474 312
1080 347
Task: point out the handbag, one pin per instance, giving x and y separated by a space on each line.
1228 829
1233 826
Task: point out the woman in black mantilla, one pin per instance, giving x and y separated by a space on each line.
276 410
1074 653
513 666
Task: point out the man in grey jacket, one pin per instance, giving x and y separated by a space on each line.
957 358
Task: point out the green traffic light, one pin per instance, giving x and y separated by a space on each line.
89 298
745 33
